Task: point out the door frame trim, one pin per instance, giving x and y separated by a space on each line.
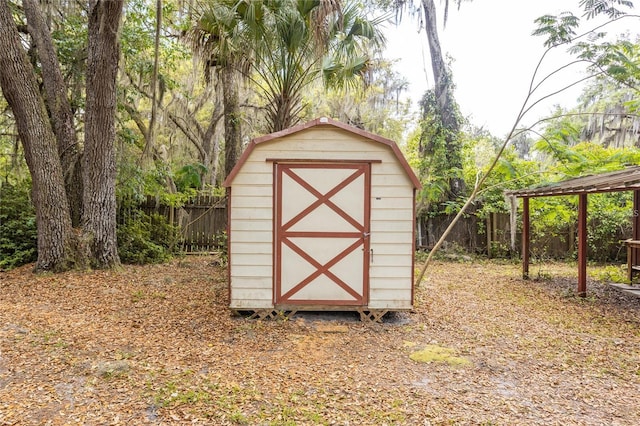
279 241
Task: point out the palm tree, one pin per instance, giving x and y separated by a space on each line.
220 38
307 41
282 46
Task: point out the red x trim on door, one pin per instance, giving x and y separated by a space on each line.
322 228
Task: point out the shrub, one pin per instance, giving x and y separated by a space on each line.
609 217
146 238
18 233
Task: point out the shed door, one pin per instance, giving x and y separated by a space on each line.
322 234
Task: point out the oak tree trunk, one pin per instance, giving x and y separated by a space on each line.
58 104
99 162
19 86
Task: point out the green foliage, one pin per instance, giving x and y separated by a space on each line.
620 60
130 184
586 157
352 37
610 273
284 47
608 214
609 221
137 42
562 151
593 8
376 108
146 238
558 29
439 150
559 155
70 38
13 167
511 171
552 219
561 29
18 233
190 177
135 184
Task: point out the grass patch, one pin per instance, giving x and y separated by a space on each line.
610 273
170 396
435 353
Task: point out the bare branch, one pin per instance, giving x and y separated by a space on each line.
514 130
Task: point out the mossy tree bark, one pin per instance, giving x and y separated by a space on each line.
444 98
99 162
59 107
56 241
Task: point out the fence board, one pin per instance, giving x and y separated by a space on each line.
202 221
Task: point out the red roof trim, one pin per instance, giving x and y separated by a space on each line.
324 122
620 180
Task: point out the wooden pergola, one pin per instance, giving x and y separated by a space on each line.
621 180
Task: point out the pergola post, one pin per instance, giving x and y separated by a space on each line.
582 245
620 180
635 226
525 237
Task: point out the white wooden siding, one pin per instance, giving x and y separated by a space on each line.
391 217
253 225
249 213
252 202
390 273
251 236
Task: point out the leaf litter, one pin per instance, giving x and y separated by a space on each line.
158 345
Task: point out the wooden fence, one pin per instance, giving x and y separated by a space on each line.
491 236
202 221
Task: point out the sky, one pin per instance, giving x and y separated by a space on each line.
494 57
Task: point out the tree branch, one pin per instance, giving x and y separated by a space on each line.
523 110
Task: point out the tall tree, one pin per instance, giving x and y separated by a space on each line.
439 105
150 134
59 246
328 39
99 167
57 102
20 88
443 89
281 47
217 37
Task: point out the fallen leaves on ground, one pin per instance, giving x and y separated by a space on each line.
158 345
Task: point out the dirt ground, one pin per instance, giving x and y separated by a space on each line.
157 345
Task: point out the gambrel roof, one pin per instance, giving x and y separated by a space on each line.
328 123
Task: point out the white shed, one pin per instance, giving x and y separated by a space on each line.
321 217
